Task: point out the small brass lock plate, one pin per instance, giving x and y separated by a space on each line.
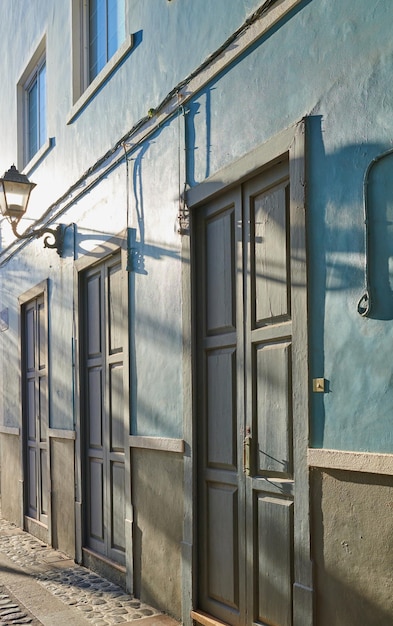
318 385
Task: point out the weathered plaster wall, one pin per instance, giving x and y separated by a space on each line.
155 288
352 527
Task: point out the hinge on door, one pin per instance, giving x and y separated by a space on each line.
247 455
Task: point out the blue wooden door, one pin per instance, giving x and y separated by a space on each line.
245 300
35 408
102 414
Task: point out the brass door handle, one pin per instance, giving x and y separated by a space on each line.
247 455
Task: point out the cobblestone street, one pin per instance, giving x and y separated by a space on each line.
39 585
12 612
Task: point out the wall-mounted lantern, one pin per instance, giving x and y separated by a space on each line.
15 189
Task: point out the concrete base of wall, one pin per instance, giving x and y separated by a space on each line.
63 495
157 493
11 482
352 538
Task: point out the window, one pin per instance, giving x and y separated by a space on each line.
106 32
100 41
32 110
35 94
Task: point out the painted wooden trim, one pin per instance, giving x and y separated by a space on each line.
78 527
59 433
99 253
34 292
303 570
101 78
77 417
369 462
157 443
206 620
10 430
245 167
28 168
188 551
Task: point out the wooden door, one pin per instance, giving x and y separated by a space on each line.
246 262
103 344
35 408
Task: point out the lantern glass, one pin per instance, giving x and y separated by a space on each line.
15 191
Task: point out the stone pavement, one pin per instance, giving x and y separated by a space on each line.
43 587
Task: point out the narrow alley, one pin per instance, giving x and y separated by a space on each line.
41 586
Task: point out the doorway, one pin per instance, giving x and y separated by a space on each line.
103 342
35 407
251 401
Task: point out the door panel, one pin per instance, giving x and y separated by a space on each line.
272 430
31 482
41 336
94 387
30 410
29 339
244 424
220 278
117 506
269 265
223 584
43 408
94 325
103 340
115 310
96 518
221 409
273 565
116 407
44 491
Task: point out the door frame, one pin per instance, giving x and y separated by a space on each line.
37 528
96 256
291 144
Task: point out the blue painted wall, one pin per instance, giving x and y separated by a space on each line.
331 61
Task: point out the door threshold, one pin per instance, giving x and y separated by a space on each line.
105 567
38 529
206 620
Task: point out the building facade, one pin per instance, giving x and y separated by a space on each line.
196 390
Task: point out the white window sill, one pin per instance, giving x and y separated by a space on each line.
100 79
38 156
